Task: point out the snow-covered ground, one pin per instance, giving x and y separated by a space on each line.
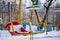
53 35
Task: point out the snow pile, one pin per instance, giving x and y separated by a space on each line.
4 33
16 28
54 33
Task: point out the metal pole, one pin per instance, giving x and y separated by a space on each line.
14 10
19 12
35 12
9 10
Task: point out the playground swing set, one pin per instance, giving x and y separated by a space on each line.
40 28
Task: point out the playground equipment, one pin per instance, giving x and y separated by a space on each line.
19 11
36 15
22 29
19 19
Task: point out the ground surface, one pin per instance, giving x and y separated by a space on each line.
53 35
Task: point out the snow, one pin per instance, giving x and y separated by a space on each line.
52 35
27 28
16 28
33 28
24 38
4 33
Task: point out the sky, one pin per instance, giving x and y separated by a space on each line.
42 1
28 2
39 0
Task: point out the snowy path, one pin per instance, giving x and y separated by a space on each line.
53 35
24 38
